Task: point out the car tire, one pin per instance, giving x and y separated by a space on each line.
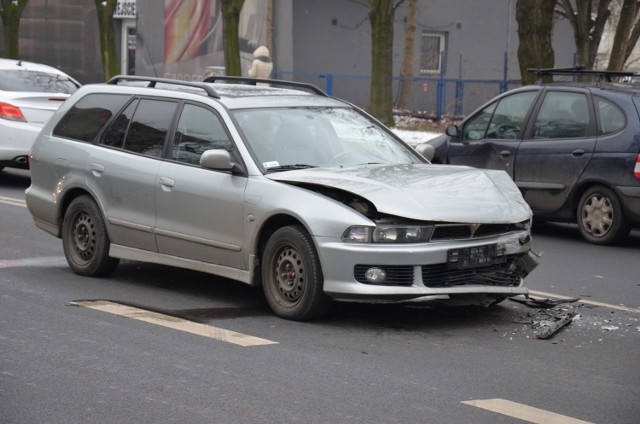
292 276
85 240
600 216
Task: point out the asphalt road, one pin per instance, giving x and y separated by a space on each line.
152 344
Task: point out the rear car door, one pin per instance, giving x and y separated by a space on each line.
558 145
491 138
199 211
122 173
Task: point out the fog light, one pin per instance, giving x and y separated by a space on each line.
375 275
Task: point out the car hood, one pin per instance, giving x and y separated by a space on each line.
424 192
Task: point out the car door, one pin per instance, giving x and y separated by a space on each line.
491 138
558 145
199 211
122 173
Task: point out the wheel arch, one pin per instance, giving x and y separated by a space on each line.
69 196
270 226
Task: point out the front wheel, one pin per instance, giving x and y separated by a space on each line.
84 239
600 216
292 275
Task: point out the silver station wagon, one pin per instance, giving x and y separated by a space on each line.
274 184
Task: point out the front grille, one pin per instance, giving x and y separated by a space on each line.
397 275
471 231
506 274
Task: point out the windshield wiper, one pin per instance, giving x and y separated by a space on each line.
290 167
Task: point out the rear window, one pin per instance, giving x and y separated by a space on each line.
87 117
611 118
35 81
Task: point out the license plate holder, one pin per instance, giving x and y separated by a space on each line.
476 256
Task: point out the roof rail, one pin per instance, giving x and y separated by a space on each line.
271 82
153 80
578 71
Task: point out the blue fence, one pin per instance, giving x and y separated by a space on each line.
431 97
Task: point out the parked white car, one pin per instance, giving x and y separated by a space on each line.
303 194
29 95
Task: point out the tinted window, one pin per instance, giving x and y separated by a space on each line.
502 120
115 134
610 118
34 81
199 129
149 126
87 117
562 115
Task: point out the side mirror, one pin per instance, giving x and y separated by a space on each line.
216 159
452 131
426 150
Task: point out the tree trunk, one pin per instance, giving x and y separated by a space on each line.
230 22
406 71
535 28
381 16
623 32
110 62
11 13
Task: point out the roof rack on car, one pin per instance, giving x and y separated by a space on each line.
579 71
153 80
271 82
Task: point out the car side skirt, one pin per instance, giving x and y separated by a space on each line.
124 252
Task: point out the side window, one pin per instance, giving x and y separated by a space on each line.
114 136
562 115
149 126
503 119
476 127
198 130
610 118
86 118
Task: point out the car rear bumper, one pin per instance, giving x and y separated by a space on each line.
16 139
424 268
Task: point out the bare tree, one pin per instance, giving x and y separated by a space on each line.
588 20
230 24
381 15
535 29
105 9
406 70
11 12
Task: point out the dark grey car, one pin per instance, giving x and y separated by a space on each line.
572 149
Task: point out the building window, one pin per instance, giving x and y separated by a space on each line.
431 52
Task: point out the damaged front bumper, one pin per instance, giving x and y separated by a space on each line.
494 266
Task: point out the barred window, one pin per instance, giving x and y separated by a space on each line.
431 52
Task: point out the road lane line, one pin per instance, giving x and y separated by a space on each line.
523 412
586 301
13 201
174 323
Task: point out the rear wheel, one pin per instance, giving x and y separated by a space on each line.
600 216
292 275
85 240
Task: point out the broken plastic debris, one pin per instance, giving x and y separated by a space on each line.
551 330
543 303
609 328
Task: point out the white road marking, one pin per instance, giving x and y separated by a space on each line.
586 301
175 323
12 201
523 412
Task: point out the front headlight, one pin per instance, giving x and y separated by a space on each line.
389 234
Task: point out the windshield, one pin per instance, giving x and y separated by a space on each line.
35 81
293 138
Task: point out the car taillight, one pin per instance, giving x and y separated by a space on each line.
636 170
11 112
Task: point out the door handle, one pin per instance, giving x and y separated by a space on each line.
167 183
577 153
505 153
96 169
